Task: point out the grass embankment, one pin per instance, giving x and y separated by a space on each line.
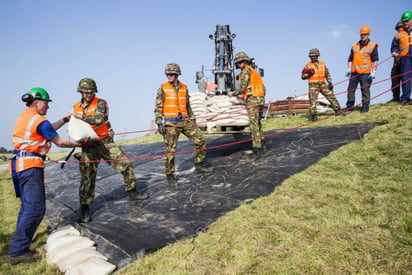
351 212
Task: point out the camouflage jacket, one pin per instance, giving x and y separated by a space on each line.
159 106
244 82
101 114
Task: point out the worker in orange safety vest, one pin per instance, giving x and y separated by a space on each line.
362 64
32 138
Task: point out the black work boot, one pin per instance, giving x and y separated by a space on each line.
135 195
85 213
340 112
28 257
171 180
313 117
202 169
258 151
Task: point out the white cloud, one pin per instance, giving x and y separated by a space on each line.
339 31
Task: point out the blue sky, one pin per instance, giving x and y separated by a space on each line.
125 45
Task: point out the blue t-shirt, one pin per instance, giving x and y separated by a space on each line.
46 130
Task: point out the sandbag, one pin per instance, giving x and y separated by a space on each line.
79 130
94 265
66 245
63 231
78 257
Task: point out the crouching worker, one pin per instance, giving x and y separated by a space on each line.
32 137
173 107
95 111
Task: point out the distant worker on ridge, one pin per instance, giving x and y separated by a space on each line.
402 47
396 67
253 92
174 115
316 72
362 64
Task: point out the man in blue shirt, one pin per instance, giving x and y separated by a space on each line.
32 137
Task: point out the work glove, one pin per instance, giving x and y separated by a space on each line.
85 143
348 74
372 76
306 73
66 118
330 86
161 129
77 156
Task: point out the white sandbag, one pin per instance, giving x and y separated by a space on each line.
64 239
66 246
78 257
237 101
63 231
200 95
60 253
79 130
93 265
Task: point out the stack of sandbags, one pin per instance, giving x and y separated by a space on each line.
226 111
218 110
74 254
198 104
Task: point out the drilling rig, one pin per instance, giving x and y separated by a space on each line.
225 121
223 68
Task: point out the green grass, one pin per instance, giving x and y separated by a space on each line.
351 212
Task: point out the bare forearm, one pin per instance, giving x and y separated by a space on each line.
65 143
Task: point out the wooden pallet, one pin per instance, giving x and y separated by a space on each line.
288 107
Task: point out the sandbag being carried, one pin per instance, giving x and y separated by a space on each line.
79 130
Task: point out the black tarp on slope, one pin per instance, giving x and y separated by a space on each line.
125 230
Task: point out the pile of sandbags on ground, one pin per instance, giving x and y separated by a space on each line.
219 110
74 254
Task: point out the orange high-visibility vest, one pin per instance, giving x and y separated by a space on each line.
255 84
319 75
174 102
26 139
405 41
101 130
362 62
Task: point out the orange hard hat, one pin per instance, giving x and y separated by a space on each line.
365 30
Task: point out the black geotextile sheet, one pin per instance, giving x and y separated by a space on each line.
125 230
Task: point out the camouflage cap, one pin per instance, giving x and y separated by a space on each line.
314 52
173 68
87 85
241 56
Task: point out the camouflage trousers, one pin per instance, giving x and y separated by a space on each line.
314 90
171 137
254 107
107 150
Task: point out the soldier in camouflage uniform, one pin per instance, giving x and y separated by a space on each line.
95 111
316 72
173 115
253 91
